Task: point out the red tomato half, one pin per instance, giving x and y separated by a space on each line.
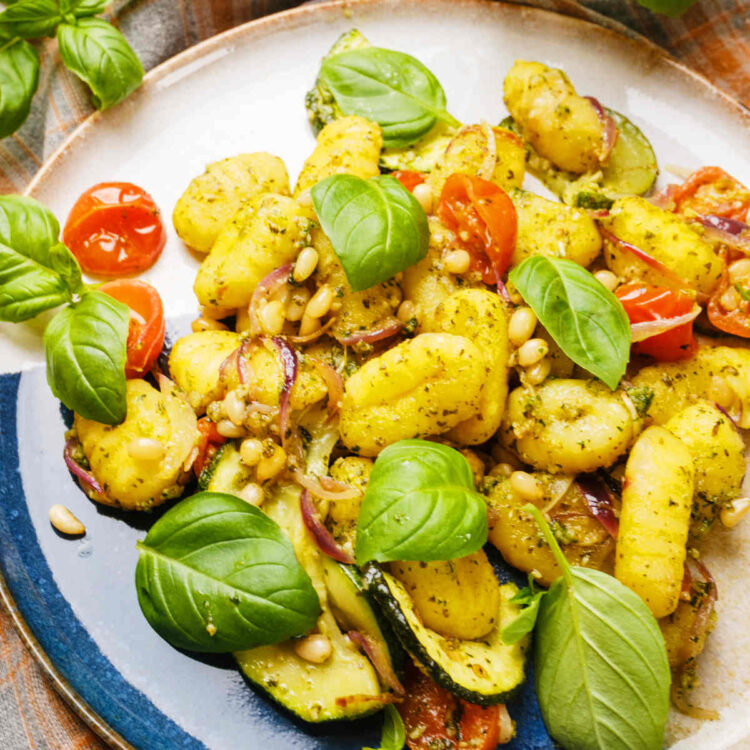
208 443
735 321
146 330
710 190
409 179
484 218
114 229
644 302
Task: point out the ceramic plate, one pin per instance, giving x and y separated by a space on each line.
243 91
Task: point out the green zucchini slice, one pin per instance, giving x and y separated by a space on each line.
485 671
225 472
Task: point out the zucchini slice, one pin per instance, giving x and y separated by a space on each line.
485 671
225 472
346 685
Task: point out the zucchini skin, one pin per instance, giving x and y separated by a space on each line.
379 590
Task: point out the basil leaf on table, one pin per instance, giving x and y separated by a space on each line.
30 19
26 225
394 732
19 78
376 226
420 504
530 597
584 318
216 574
388 87
101 56
85 348
602 674
82 8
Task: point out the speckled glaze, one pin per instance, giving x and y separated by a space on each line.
74 601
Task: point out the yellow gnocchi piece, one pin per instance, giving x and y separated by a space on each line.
421 387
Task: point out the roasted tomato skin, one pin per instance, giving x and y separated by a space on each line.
409 179
711 191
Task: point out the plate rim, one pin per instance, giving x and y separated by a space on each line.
268 24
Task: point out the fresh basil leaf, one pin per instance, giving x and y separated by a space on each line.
27 225
394 732
82 8
216 574
31 19
19 77
671 8
85 348
602 674
526 619
391 88
65 264
376 226
420 504
101 56
585 319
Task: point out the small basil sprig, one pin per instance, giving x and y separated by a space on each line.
391 88
585 319
216 574
85 343
394 732
602 673
529 598
376 226
90 47
420 504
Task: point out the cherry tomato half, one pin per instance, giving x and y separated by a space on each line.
710 190
208 443
409 179
644 302
485 220
115 228
146 329
735 321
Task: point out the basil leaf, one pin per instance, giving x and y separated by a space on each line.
526 620
85 348
585 319
101 56
394 732
81 8
376 226
391 88
420 504
216 574
31 19
27 226
602 674
19 77
671 8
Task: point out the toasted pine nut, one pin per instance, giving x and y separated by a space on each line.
207 324
521 326
735 512
251 451
526 486
532 352
297 303
315 648
503 470
730 299
146 449
271 317
457 261
305 264
308 325
64 521
607 279
537 373
272 465
252 493
320 303
739 271
407 311
228 429
235 407
216 313
423 194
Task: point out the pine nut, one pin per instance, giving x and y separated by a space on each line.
216 313
739 271
252 493
272 465
607 279
735 512
521 326
64 521
320 303
503 470
235 407
721 392
145 449
271 317
308 325
532 352
228 429
730 299
315 648
423 194
297 303
457 261
537 373
407 311
526 486
251 451
206 324
305 264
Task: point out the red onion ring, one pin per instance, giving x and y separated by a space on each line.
290 367
599 501
727 415
610 129
730 232
325 487
376 654
311 336
334 383
271 283
323 538
86 477
649 328
390 327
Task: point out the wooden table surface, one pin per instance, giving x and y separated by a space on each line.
713 37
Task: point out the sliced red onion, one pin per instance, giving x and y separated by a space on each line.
270 284
379 658
730 232
649 328
727 415
323 538
600 502
598 213
325 487
487 167
312 336
502 290
290 366
334 383
86 477
664 199
390 327
610 128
